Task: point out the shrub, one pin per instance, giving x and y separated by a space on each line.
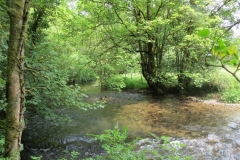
117 148
114 83
228 86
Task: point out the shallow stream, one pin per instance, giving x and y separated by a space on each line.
210 130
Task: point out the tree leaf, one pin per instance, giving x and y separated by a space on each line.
204 33
222 46
212 59
221 55
236 56
215 50
2 81
232 62
221 42
232 50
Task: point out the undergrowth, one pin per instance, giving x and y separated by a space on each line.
117 148
228 87
126 82
135 81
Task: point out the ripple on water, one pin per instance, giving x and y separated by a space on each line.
237 143
209 131
232 136
212 138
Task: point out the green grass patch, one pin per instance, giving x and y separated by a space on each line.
231 96
134 81
228 86
127 82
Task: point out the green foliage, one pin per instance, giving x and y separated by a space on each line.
114 83
2 82
36 158
198 79
2 142
3 103
227 86
116 147
48 88
4 29
204 33
113 137
166 37
230 89
73 154
232 96
224 55
135 82
111 52
52 71
171 149
169 79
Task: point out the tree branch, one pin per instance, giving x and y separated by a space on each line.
115 11
214 12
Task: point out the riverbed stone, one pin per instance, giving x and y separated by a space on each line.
237 142
233 125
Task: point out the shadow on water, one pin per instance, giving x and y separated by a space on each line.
211 130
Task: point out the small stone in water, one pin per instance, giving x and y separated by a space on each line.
233 125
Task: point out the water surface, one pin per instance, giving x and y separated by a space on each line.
211 130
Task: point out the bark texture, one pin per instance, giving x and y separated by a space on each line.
18 14
151 52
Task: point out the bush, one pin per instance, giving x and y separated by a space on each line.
117 148
114 83
3 103
228 86
115 145
231 95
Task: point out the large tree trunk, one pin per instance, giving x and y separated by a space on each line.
18 13
151 56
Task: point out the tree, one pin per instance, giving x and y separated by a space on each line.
224 54
85 46
162 32
224 50
4 28
47 86
18 13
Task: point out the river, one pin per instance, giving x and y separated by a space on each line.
210 130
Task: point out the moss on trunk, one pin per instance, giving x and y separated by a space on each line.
18 14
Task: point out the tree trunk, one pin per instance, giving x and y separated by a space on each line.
18 14
150 69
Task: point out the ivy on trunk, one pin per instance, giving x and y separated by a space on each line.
18 14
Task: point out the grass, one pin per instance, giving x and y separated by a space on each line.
220 85
134 81
126 81
228 86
